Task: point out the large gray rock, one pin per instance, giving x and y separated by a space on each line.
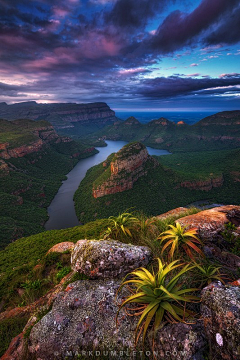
105 259
83 319
181 342
221 315
82 322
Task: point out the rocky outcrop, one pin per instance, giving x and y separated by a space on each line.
181 123
175 212
220 311
210 223
107 258
204 185
161 121
4 169
42 134
82 323
128 165
180 342
83 319
226 258
60 115
22 150
62 247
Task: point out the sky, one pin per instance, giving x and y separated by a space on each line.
132 54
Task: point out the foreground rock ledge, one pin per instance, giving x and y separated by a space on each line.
82 322
221 315
210 223
107 259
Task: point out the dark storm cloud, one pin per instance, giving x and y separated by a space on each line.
85 50
174 86
134 14
179 30
9 90
228 32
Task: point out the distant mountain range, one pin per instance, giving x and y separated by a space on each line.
218 131
61 115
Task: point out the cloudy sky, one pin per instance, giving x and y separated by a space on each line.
132 54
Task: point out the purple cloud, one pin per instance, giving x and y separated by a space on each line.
179 30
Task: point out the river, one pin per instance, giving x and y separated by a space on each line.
61 210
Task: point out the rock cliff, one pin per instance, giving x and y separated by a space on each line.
60 115
127 166
41 136
204 185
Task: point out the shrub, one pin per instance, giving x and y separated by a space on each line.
208 273
177 237
158 296
63 272
121 226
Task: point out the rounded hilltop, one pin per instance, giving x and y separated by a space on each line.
133 148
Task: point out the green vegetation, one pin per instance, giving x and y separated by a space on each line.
63 272
33 180
162 188
20 132
158 296
9 328
121 226
18 259
200 165
104 175
207 273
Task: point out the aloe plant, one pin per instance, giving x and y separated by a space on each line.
159 297
121 226
178 237
209 273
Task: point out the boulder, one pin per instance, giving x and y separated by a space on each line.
226 258
105 259
210 223
62 247
220 311
82 325
81 322
180 342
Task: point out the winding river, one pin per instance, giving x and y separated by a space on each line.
61 210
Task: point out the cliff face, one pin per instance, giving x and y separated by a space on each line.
128 165
204 185
60 115
40 138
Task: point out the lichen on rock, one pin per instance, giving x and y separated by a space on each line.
221 316
101 259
